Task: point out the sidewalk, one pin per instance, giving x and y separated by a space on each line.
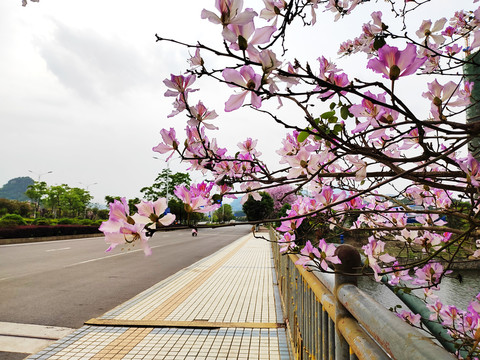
225 306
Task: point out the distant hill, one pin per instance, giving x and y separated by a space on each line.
15 188
236 205
237 208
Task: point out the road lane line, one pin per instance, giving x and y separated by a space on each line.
79 263
65 248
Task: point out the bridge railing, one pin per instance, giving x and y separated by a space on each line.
330 318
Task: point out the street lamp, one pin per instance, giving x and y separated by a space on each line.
40 175
168 167
87 186
37 202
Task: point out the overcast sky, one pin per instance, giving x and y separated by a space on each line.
81 91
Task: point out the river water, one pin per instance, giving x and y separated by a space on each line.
452 291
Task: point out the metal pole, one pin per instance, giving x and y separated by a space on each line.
345 274
472 74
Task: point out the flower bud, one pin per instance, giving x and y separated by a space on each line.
394 72
437 101
242 43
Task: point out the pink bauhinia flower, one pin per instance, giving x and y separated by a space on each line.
393 63
170 142
471 167
327 253
199 114
230 13
446 95
246 79
376 115
195 199
307 254
409 317
269 61
118 216
249 188
290 225
272 9
129 235
428 275
249 147
121 228
427 31
196 60
299 164
398 274
179 84
245 37
286 242
150 213
360 167
435 309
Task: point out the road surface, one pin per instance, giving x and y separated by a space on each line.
66 282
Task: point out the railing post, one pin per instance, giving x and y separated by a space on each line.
345 274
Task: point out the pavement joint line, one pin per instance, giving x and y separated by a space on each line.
182 324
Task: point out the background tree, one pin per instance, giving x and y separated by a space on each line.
37 193
282 197
165 184
22 208
55 198
76 200
224 213
258 209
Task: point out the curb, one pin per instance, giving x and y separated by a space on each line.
47 238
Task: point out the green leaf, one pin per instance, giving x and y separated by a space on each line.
327 115
337 129
332 106
302 136
344 113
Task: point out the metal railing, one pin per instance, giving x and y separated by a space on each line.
330 318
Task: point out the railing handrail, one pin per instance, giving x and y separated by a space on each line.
370 330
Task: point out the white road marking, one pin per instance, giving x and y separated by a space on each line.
49 242
65 248
82 262
110 256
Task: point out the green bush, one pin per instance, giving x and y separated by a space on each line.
86 222
98 222
41 221
65 221
7 223
14 219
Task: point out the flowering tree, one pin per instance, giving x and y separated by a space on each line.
372 159
369 159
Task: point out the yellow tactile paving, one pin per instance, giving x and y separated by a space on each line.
240 291
222 307
233 286
141 306
164 309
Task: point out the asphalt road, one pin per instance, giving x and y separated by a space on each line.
66 282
